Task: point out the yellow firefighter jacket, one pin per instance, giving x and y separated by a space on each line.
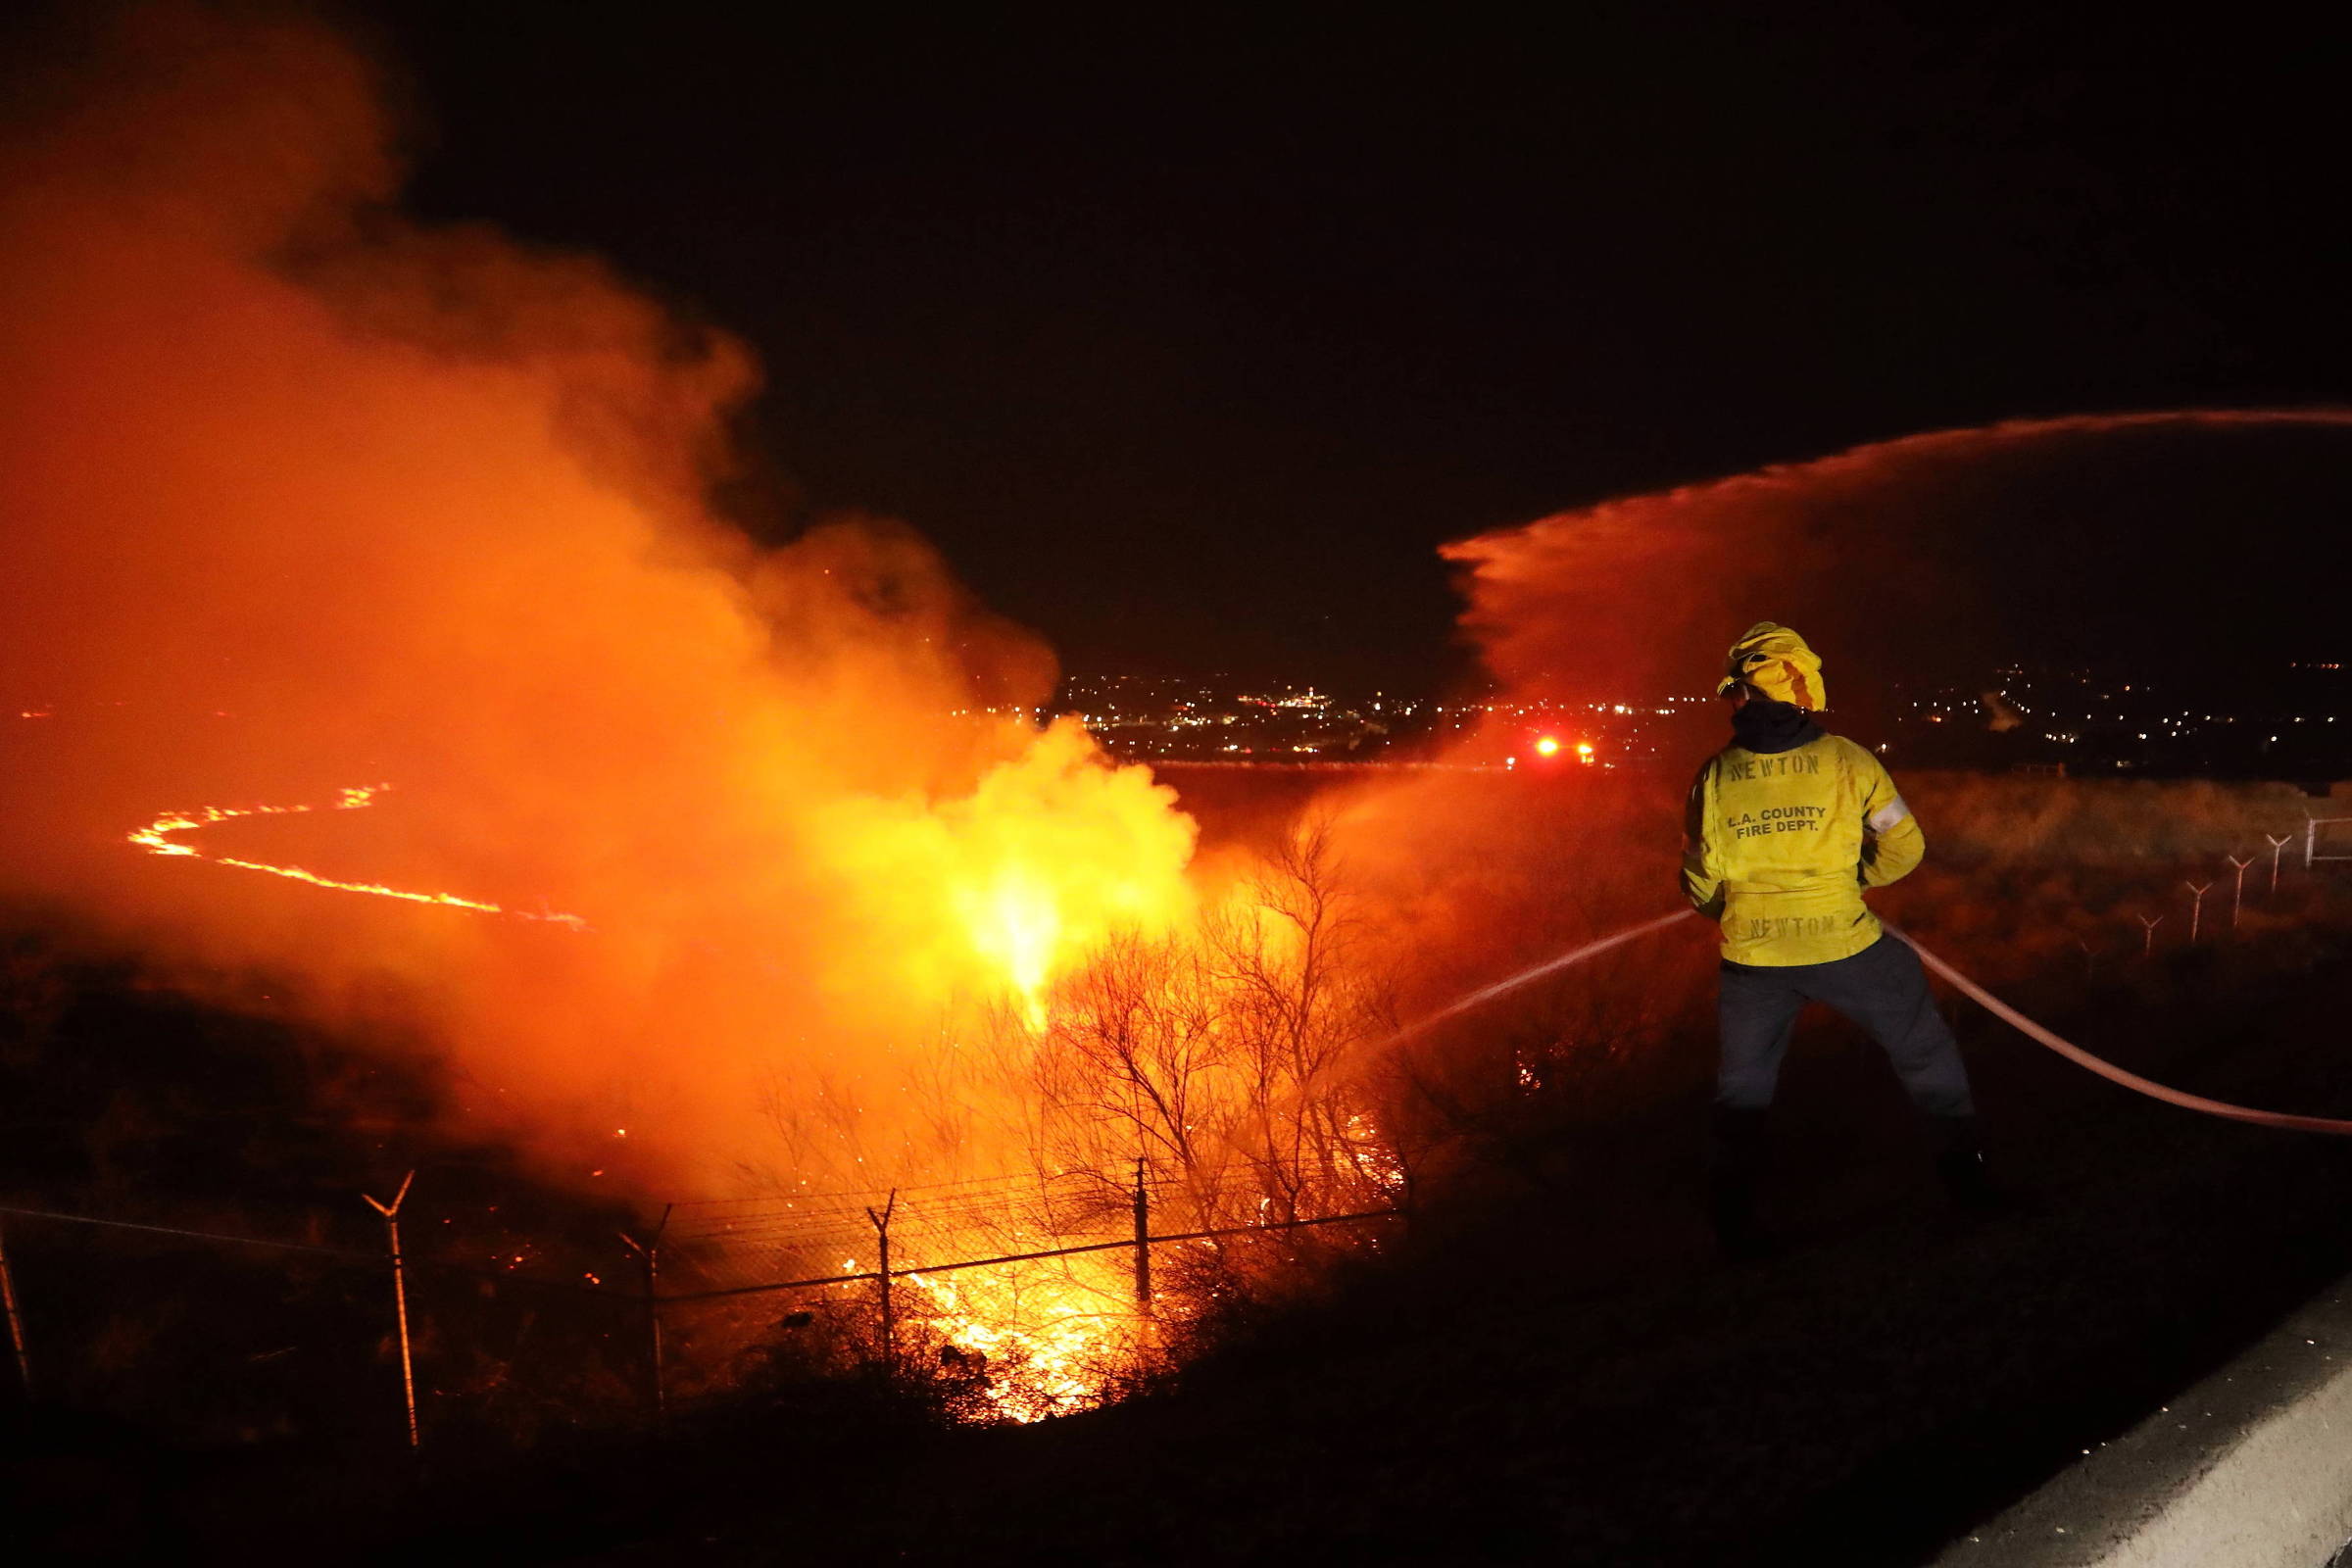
1779 846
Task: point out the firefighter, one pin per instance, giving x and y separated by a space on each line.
1784 830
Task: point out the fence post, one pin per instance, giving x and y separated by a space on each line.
2276 846
15 1323
649 1252
1143 1241
890 1324
2196 910
2238 893
399 1296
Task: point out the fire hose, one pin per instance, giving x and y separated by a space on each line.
2108 1069
1962 983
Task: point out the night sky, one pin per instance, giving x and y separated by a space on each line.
1190 338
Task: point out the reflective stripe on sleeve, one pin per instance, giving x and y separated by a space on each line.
1886 817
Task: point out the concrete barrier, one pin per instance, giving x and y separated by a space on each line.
2250 1468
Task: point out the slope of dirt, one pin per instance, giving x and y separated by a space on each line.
1573 1378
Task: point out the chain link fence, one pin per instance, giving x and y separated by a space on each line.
1022 1295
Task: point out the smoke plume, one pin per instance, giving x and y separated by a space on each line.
301 495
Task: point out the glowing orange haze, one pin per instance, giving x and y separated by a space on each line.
427 506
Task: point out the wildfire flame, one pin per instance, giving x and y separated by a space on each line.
1050 1333
158 838
1017 915
442 504
1019 925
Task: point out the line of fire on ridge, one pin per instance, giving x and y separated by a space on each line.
160 837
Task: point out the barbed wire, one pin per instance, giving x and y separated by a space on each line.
750 1248
864 1192
1010 1187
194 1235
1128 1243
342 1255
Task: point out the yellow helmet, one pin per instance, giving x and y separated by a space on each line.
1777 663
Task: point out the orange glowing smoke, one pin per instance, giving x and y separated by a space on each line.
427 505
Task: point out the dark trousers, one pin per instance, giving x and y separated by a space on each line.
1881 988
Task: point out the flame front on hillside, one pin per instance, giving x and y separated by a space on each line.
433 506
1052 1336
162 837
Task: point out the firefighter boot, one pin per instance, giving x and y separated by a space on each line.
1732 1177
1960 1165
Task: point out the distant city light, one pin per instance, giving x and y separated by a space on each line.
1197 717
